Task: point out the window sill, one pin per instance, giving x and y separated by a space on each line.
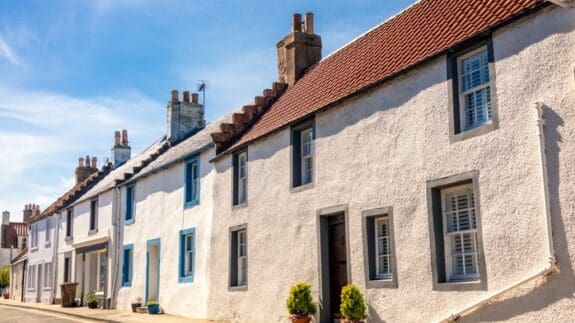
381 283
92 232
127 284
32 249
303 187
239 206
489 126
47 288
182 280
467 285
128 222
47 243
238 288
190 204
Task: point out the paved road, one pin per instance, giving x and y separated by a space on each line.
16 315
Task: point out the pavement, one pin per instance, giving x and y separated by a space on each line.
47 312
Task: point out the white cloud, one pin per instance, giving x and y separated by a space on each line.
42 134
7 52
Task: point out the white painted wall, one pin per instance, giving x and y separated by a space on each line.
42 254
160 213
379 150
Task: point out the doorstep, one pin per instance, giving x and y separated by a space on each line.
112 316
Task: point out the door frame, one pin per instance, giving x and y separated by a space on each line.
149 243
323 216
39 282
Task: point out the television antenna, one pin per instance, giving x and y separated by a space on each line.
202 87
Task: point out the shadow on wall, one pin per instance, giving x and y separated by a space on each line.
559 285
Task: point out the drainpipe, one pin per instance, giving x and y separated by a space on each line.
116 245
552 260
55 260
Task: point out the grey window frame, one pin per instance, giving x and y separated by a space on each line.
369 218
236 179
233 264
93 216
69 223
296 155
435 217
456 129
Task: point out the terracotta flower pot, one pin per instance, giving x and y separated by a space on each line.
300 319
6 295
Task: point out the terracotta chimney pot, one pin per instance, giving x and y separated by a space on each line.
175 96
195 97
186 96
296 23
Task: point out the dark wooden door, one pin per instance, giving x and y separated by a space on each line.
337 262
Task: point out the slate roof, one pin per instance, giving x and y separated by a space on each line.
128 169
194 144
425 30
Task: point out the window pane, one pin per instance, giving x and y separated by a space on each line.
189 263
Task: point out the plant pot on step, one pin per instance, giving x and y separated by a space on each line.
153 308
6 295
135 306
93 305
300 319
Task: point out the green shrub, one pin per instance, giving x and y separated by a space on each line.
4 277
91 299
352 304
300 301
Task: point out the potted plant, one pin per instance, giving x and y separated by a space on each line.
300 303
352 304
136 303
5 280
6 295
92 300
153 306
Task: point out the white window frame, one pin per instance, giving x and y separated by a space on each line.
47 235
472 209
462 94
195 180
242 180
34 235
31 278
306 134
242 278
188 263
47 281
377 237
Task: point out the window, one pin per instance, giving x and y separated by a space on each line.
456 239
239 257
192 182
130 204
69 219
34 235
240 166
94 215
24 242
48 228
31 277
460 233
379 246
47 275
473 83
302 152
127 263
67 269
187 255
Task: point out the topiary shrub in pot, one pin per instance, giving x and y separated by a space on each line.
92 300
352 304
300 303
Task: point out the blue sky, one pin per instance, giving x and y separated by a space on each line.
72 72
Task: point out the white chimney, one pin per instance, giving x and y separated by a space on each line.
121 150
185 117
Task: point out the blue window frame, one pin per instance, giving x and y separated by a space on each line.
127 265
130 204
192 182
187 255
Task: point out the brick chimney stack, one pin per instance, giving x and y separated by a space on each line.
86 167
121 151
185 117
299 50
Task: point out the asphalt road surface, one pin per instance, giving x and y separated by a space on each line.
17 315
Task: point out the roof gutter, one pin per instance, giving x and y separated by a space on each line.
551 265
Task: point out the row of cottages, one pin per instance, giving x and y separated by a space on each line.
428 162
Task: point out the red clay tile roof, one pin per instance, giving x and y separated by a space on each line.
425 30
